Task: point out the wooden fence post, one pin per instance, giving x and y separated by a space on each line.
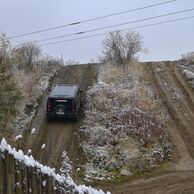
50 185
39 181
29 180
4 172
55 188
32 186
24 181
34 181
44 184
1 174
11 175
18 182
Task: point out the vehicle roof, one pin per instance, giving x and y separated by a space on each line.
64 90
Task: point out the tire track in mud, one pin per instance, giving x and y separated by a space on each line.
58 136
180 107
188 90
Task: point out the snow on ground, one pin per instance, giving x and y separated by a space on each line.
187 67
43 146
18 137
43 83
33 131
29 151
189 74
66 168
23 120
124 129
63 180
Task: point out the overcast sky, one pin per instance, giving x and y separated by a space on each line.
164 42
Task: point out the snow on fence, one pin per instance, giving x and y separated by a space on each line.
21 174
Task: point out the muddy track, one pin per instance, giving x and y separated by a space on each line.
177 100
175 176
58 136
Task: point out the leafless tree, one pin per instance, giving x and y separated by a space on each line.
27 55
121 48
71 62
9 93
5 48
188 57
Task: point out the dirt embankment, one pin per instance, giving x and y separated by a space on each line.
176 176
58 136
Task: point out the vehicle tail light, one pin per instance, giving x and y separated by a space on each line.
73 105
48 107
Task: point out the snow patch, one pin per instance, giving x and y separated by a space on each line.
33 131
43 146
43 83
189 74
18 137
44 183
29 151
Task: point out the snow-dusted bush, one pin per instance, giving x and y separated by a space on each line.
108 72
188 58
186 65
189 74
124 128
25 74
66 168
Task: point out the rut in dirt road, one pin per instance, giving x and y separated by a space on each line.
178 99
58 136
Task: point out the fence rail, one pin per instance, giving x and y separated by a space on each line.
16 177
21 174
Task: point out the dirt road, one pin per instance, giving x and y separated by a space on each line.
173 177
58 136
176 176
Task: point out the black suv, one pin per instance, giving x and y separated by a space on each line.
64 102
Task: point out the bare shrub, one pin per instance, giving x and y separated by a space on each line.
5 48
9 94
188 57
26 55
124 128
121 48
71 62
